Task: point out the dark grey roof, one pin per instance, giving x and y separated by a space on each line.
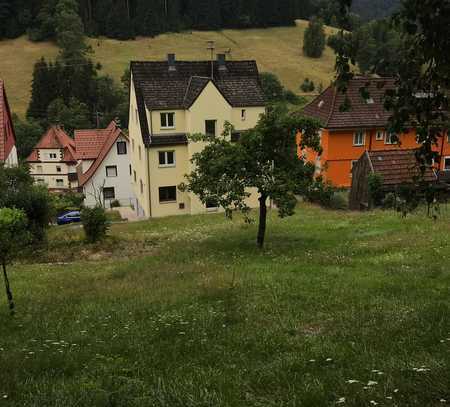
160 88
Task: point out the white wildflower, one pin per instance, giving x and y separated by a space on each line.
341 400
351 381
373 402
372 383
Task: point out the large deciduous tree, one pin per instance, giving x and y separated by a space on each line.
13 238
265 159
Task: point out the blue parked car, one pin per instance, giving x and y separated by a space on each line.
69 217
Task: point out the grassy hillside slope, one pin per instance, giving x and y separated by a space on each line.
277 50
187 311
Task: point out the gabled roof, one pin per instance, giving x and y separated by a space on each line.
88 143
363 113
398 166
109 137
55 138
164 86
7 136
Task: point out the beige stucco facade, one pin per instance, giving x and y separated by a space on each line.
149 176
51 171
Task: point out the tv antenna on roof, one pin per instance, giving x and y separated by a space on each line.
211 47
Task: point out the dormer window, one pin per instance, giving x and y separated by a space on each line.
168 120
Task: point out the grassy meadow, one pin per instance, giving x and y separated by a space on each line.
339 308
277 50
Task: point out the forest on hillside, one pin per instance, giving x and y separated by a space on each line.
124 19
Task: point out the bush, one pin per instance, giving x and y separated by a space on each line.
389 201
70 201
339 201
320 193
115 204
18 191
375 184
95 223
307 86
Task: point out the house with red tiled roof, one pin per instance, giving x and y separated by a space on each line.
8 151
53 160
346 134
104 168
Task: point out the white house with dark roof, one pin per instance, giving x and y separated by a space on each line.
170 100
104 167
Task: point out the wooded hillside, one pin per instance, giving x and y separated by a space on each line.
124 19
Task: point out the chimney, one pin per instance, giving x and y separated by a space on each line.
221 60
171 61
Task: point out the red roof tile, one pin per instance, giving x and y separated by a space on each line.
7 137
55 138
363 113
95 149
398 166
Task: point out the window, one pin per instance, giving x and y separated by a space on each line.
39 169
359 138
167 120
109 193
168 194
134 176
131 172
111 171
121 147
136 118
210 128
58 168
40 181
142 186
166 158
132 144
243 114
446 163
139 152
379 136
59 182
391 138
52 155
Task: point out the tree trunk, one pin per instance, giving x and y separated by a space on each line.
8 290
262 220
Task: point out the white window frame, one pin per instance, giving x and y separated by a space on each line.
59 182
166 116
363 141
109 189
388 141
111 167
380 135
446 158
166 159
122 143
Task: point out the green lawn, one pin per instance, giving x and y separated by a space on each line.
187 312
277 50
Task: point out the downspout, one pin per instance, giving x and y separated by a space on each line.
147 159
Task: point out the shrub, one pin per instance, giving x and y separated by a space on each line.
95 223
339 201
389 201
320 193
307 85
70 201
18 191
115 204
375 184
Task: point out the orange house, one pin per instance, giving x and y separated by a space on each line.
346 135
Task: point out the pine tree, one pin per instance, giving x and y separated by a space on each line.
314 38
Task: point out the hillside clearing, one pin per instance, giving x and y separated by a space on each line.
187 312
277 50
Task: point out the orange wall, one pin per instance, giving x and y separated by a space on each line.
339 152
